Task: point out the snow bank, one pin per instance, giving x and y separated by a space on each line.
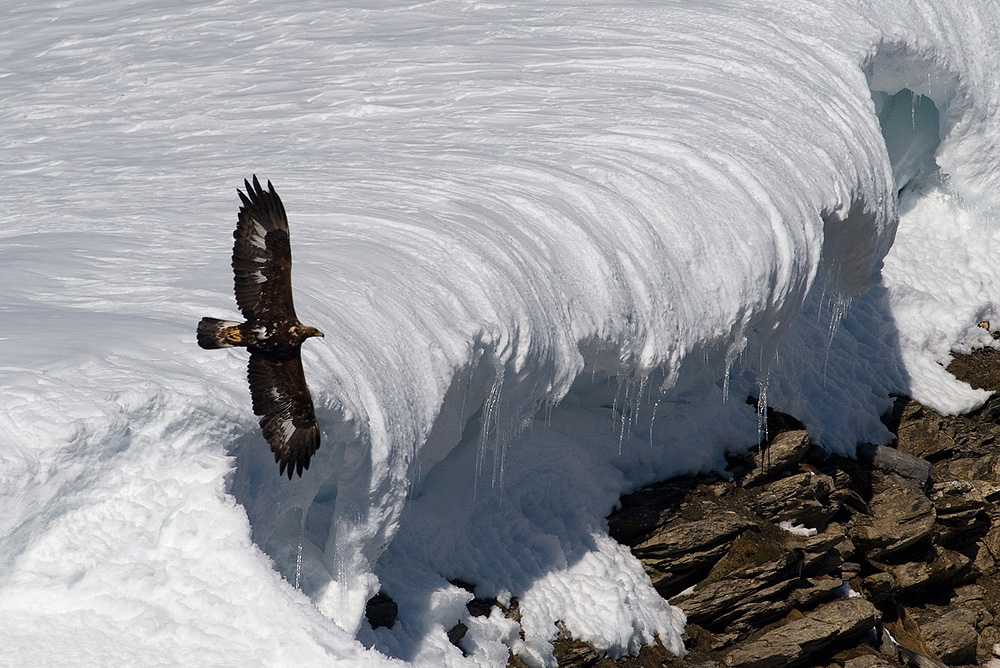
553 249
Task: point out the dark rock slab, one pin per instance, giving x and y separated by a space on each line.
680 538
895 461
877 587
869 661
731 602
902 516
681 553
803 498
833 624
951 633
755 594
643 512
924 435
783 455
945 568
961 508
814 591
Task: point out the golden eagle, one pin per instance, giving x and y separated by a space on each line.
262 262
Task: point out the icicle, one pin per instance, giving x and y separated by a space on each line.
838 309
488 426
614 399
298 553
499 465
465 394
621 431
762 413
735 350
652 418
637 402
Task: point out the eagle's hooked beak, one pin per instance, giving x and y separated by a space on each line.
318 333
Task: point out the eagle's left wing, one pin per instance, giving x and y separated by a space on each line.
281 397
262 256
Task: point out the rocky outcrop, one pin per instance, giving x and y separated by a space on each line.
889 559
832 625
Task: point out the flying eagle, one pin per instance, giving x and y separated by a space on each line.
262 262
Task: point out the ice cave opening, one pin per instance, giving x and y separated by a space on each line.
911 126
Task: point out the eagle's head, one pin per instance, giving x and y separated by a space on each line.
311 331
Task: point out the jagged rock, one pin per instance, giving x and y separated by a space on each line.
843 496
644 511
814 591
907 657
989 645
784 454
823 553
869 661
991 542
895 461
902 516
850 569
915 529
984 562
961 509
572 653
879 586
750 593
956 496
924 437
802 498
792 643
951 634
946 567
973 595
657 656
456 634
978 368
732 602
381 610
682 553
985 467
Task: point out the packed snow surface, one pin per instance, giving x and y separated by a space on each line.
554 247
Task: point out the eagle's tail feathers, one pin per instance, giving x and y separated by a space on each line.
215 333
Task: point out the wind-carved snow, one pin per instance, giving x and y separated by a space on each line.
553 248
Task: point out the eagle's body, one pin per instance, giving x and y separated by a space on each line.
262 263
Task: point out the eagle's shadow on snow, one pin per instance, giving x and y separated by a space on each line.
291 520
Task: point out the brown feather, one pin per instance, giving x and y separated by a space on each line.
281 397
262 256
262 267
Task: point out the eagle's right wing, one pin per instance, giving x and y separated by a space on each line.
281 397
262 256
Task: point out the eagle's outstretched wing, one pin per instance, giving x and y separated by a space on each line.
262 256
281 397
